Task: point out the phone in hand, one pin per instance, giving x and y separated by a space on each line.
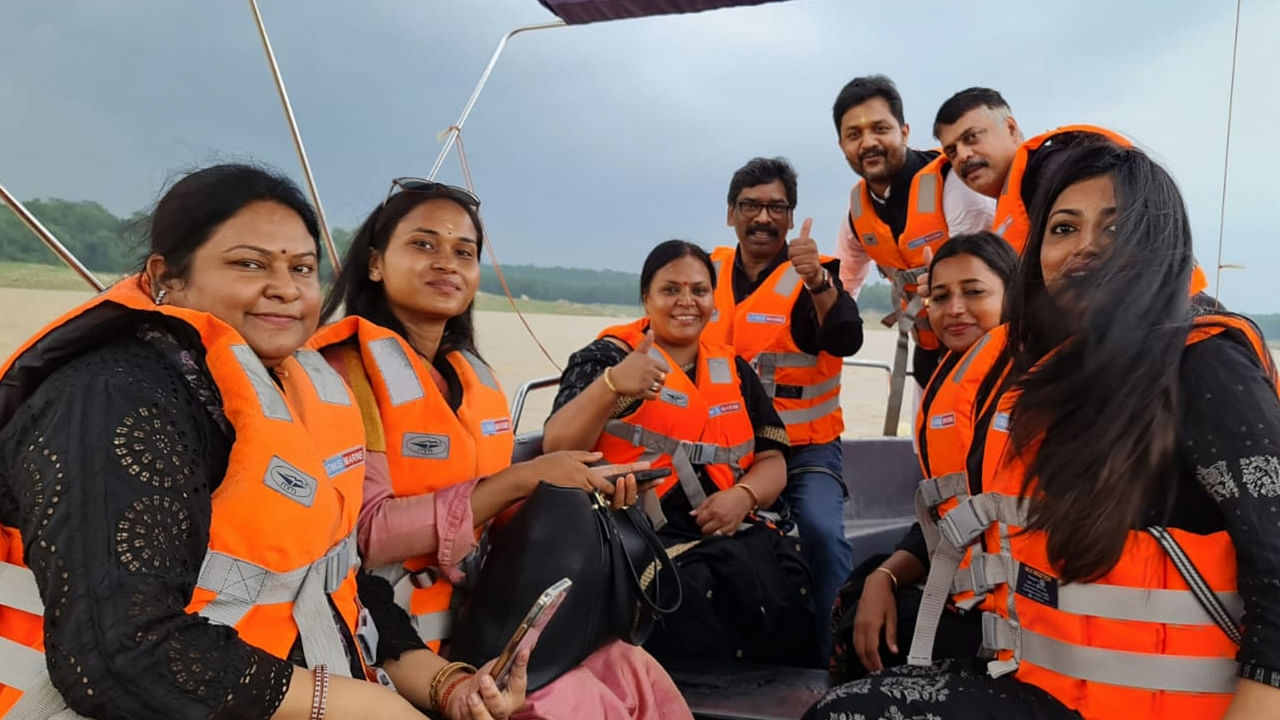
526 634
643 477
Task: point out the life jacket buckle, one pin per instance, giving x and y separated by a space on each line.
997 635
962 525
367 636
978 575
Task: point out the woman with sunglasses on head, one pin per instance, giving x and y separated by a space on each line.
182 481
965 292
440 438
1122 477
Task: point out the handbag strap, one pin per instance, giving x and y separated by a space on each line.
660 556
1199 586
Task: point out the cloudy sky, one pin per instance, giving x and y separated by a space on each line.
591 144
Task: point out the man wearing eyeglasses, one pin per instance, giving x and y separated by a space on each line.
779 305
907 201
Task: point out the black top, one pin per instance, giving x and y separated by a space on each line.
136 428
893 211
1228 478
840 335
590 362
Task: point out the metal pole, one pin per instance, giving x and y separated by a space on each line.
475 93
297 137
48 239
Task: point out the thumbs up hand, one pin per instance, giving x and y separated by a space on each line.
922 282
803 254
640 374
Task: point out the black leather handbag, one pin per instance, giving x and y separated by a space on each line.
622 581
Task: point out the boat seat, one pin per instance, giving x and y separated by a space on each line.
736 690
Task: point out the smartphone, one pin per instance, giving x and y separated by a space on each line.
526 634
643 476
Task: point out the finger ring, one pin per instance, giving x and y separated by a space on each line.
625 507
656 386
718 532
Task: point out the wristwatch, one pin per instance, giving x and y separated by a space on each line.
823 286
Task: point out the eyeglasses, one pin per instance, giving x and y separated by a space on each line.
751 208
419 185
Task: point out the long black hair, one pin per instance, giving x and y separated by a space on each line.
367 298
1099 382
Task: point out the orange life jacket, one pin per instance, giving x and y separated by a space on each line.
1133 644
944 430
1012 221
805 388
901 258
428 446
282 536
691 423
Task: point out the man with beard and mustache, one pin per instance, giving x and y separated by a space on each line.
780 307
905 204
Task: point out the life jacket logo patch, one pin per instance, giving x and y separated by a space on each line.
344 461
290 482
943 421
925 239
425 446
766 319
678 399
1001 422
495 426
1038 586
724 408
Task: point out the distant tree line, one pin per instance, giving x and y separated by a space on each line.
101 241
107 243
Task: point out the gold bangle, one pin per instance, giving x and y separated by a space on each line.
892 577
755 499
609 383
442 676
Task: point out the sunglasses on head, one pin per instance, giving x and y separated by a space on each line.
429 187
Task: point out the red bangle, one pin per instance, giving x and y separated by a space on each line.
448 690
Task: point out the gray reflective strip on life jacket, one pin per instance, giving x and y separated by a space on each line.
718 371
269 397
18 589
718 265
20 666
328 384
482 370
1111 602
1004 226
855 202
787 283
396 370
1146 671
809 414
241 585
927 194
967 360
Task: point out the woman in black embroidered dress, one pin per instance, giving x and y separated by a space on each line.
1139 429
